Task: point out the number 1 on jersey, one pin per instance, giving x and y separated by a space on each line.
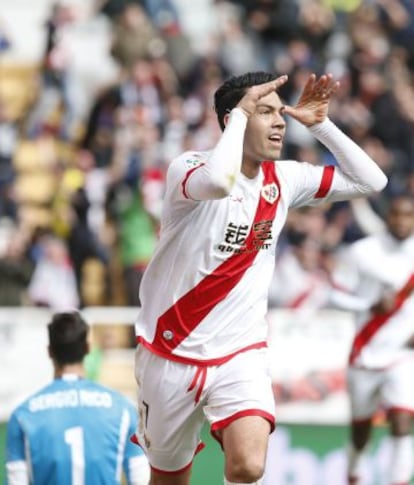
74 438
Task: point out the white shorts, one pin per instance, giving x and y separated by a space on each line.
174 399
391 388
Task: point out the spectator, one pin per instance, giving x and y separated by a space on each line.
15 270
56 94
83 243
8 142
5 42
273 24
53 283
134 37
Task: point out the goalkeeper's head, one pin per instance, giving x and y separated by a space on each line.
68 338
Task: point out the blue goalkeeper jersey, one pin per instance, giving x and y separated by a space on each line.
73 432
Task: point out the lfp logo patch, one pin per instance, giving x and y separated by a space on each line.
192 162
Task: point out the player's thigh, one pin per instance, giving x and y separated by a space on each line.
182 478
397 392
364 392
170 422
245 443
242 388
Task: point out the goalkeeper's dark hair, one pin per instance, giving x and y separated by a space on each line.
231 91
68 338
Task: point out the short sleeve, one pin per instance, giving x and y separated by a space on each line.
307 184
15 440
180 171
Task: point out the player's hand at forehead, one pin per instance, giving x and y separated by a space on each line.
256 93
313 103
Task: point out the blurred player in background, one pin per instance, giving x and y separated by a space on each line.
201 329
380 273
73 431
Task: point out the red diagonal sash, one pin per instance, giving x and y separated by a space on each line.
377 321
184 316
298 300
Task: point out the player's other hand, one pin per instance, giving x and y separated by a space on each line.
254 94
385 305
313 103
410 343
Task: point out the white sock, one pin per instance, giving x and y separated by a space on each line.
258 482
402 459
355 462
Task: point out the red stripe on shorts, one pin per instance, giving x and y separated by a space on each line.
199 362
200 446
223 423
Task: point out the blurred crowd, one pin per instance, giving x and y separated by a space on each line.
81 190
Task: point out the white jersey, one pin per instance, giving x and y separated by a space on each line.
204 293
376 266
298 288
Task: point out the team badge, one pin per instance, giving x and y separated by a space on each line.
270 192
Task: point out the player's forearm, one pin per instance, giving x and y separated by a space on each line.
365 216
347 301
216 178
353 161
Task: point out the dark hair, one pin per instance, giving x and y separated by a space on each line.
231 91
68 334
397 197
402 195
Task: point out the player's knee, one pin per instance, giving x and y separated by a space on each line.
400 423
247 470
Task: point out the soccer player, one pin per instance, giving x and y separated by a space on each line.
380 273
201 330
73 431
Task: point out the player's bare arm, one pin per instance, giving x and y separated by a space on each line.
312 106
410 342
384 305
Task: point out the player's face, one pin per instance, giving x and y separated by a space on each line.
265 130
400 218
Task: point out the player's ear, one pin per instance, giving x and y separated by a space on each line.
226 117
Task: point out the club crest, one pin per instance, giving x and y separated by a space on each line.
270 192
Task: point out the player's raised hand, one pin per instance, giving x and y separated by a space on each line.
313 103
384 305
255 93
